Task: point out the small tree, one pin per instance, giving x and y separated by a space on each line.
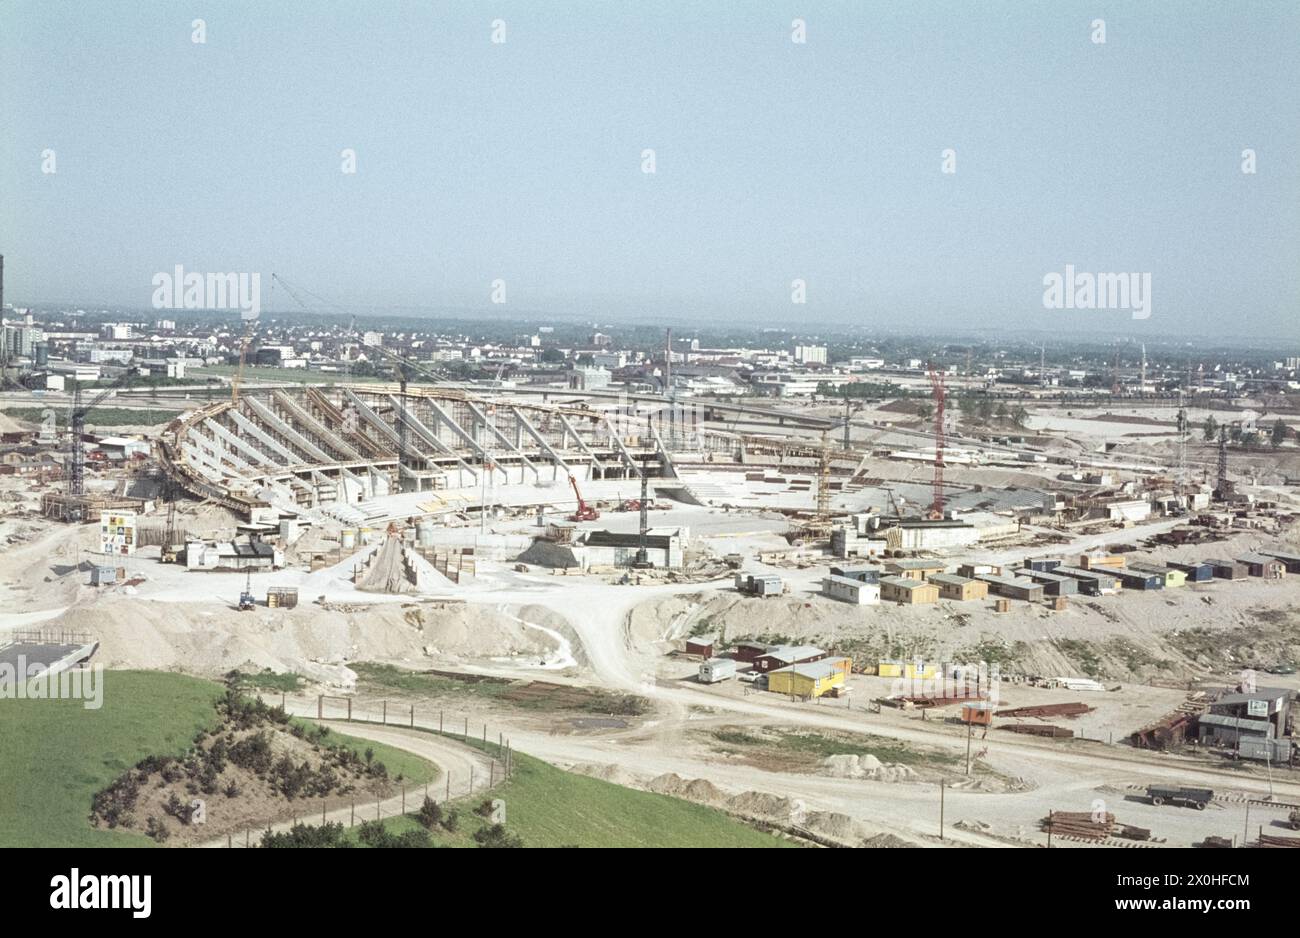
497 836
430 813
1211 429
1279 432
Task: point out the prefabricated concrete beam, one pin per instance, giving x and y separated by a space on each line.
289 433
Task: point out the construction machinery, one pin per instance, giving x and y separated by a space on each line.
585 512
246 600
77 426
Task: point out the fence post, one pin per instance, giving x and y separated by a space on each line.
384 718
352 818
320 706
349 708
229 844
281 700
323 803
412 716
465 735
448 786
246 832
485 737
439 721
492 773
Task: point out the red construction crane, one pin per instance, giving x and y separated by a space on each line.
585 512
936 385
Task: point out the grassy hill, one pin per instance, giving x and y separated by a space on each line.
55 754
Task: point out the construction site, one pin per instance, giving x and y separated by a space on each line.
1027 621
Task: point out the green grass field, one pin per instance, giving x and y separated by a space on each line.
100 416
55 754
549 807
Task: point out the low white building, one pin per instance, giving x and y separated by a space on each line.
849 590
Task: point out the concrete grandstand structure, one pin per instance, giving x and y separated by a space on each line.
307 447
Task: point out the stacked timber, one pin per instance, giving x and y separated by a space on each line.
1080 825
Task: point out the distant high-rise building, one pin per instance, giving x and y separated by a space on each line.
810 354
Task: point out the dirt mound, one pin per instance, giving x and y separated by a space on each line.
698 790
760 804
888 841
210 639
837 826
607 773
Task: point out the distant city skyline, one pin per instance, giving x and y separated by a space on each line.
780 167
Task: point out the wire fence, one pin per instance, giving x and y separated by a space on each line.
351 810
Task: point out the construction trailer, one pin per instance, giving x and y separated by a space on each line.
782 656
1172 576
1273 751
1108 562
963 589
1228 569
1057 585
1194 572
897 589
763 585
1290 561
716 670
746 652
846 590
1091 582
914 569
1014 587
865 574
810 679
1041 564
1138 580
701 645
1260 565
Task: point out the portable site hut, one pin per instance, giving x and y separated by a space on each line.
1054 584
782 656
857 592
747 651
897 589
1228 569
701 645
862 574
1173 577
977 712
812 679
1194 572
1091 582
1139 580
961 588
914 569
1109 562
1270 568
1290 561
1014 587
1042 564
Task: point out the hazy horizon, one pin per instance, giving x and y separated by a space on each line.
774 160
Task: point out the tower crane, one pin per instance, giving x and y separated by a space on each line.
937 387
77 425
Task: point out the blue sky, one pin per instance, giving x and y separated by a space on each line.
775 160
